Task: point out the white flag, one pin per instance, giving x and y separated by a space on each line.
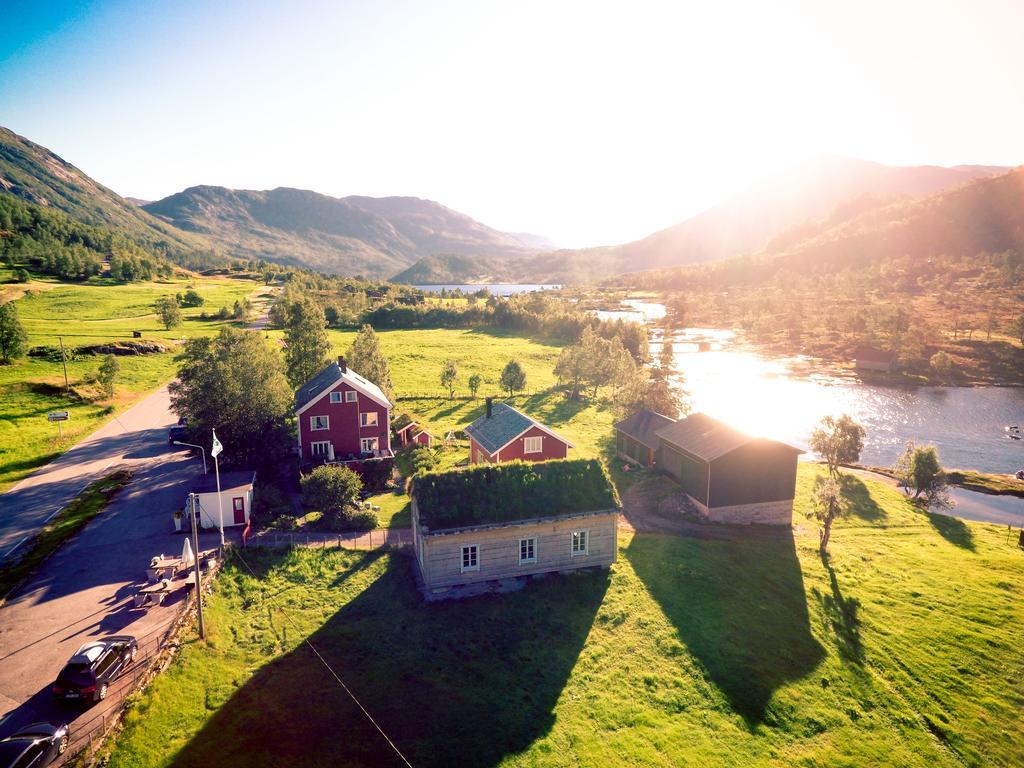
217 447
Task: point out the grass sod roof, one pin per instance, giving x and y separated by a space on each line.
504 493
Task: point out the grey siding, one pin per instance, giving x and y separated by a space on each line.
761 471
689 471
439 554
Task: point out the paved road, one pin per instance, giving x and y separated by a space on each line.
85 590
38 497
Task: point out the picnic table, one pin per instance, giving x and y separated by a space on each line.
162 567
152 594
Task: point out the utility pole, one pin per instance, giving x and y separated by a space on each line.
199 584
64 359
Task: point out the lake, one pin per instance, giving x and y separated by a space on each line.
497 289
764 396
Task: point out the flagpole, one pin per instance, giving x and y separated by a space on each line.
220 501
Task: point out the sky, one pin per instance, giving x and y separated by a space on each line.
590 123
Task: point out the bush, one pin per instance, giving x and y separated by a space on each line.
330 489
269 503
422 459
364 520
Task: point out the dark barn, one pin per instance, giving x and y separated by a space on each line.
636 437
731 476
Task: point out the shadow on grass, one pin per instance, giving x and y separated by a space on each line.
842 614
464 683
952 529
740 608
859 498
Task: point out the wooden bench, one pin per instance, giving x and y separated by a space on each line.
153 594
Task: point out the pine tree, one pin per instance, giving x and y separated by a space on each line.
366 359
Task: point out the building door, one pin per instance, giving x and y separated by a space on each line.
238 506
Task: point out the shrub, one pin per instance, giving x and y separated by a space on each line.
364 520
270 503
422 459
330 489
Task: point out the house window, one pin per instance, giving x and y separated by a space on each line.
317 423
579 542
533 444
320 448
527 550
368 419
351 396
368 444
469 559
335 397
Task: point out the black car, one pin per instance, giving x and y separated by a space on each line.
88 673
175 433
33 746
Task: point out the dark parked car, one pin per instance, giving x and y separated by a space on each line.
175 433
33 746
88 673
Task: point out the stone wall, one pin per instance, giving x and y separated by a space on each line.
765 513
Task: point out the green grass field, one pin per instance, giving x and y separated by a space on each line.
903 650
89 313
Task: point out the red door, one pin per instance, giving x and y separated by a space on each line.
238 505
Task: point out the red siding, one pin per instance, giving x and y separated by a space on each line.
552 447
344 432
477 455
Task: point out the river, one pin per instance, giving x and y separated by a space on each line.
765 397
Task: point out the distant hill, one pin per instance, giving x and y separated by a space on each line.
35 174
376 237
972 221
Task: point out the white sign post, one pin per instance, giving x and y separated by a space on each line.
59 416
215 452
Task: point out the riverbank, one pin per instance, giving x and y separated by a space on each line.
980 482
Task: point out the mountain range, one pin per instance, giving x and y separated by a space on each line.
420 241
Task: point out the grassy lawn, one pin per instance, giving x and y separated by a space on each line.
73 518
89 313
903 650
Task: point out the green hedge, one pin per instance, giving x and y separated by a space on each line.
497 493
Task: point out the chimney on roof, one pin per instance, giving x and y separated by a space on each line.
489 401
342 364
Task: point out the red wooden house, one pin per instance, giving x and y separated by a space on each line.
342 417
505 434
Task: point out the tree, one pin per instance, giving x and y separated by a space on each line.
366 359
920 473
235 383
169 312
22 275
1018 328
192 298
474 384
942 364
448 375
675 310
109 369
571 369
13 339
827 503
513 377
667 356
329 489
838 441
307 345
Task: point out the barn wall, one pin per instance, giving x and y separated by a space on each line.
441 555
758 472
688 471
766 513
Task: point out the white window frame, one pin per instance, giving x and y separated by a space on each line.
364 420
335 398
351 396
473 550
313 423
539 443
365 441
580 536
326 451
530 545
